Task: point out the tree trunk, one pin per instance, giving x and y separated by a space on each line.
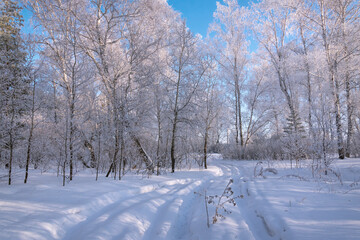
334 82
30 134
311 131
308 79
55 103
349 106
205 146
11 146
99 154
159 142
90 147
172 149
66 150
239 114
11 139
122 152
116 135
71 139
236 117
110 169
145 157
122 159
349 109
64 172
340 141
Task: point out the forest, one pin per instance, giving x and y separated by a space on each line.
122 86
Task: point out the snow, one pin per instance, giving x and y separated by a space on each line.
291 204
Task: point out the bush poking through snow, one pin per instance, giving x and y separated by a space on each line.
295 176
259 170
219 201
328 172
354 186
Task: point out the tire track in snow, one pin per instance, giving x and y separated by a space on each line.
274 225
165 222
108 214
234 225
163 214
255 209
182 205
248 207
247 221
181 228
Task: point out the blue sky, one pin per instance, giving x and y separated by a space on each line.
198 13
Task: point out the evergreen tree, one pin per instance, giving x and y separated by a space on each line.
294 125
13 84
294 138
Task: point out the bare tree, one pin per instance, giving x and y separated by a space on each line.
229 27
183 79
321 16
32 73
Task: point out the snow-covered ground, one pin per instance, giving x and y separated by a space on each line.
288 205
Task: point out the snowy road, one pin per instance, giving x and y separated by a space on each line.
166 207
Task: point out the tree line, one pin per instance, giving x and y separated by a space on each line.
124 85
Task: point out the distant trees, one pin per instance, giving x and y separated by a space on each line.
14 86
305 46
62 53
104 65
118 86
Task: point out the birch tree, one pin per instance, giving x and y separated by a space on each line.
208 100
61 48
274 30
321 14
347 13
183 79
229 28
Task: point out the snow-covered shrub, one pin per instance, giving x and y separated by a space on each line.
261 148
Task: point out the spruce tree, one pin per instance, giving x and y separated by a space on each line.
294 138
14 86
